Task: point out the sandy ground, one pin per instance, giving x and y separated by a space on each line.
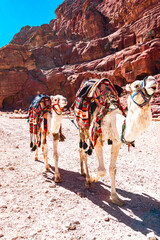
32 206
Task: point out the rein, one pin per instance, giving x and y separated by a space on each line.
123 139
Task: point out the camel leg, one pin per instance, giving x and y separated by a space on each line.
83 159
34 143
36 154
88 179
81 153
101 168
55 156
112 171
61 135
45 155
45 151
31 143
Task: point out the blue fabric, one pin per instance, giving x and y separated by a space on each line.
36 101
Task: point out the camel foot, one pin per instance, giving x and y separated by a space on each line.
94 177
83 174
36 158
47 168
88 184
101 173
57 178
116 200
34 148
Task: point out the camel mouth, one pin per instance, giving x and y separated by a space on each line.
154 88
64 104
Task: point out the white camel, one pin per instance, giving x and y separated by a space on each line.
54 119
120 130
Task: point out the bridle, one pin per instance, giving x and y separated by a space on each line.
146 97
56 107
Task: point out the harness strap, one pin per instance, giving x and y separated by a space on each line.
146 97
57 109
130 144
146 100
119 103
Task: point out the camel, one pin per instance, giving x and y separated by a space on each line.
54 119
119 129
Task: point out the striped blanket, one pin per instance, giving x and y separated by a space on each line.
105 96
82 114
37 111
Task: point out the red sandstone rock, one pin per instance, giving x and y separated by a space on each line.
88 39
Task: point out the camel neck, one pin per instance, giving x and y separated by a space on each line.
55 122
137 120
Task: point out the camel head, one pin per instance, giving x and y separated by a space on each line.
142 91
58 102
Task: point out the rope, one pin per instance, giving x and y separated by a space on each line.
130 144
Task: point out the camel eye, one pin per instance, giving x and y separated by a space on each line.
55 100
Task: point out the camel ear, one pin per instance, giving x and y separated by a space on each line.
135 86
52 98
128 88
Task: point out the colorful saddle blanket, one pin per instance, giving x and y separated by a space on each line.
39 106
104 95
82 112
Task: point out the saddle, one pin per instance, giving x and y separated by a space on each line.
92 94
37 111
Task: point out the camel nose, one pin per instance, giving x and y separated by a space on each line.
155 85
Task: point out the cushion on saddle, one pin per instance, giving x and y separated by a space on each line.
39 106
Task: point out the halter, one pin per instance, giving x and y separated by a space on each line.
146 97
57 108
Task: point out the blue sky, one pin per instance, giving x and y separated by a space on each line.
15 14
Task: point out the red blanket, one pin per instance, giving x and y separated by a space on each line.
106 98
82 115
37 110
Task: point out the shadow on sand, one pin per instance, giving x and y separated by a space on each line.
143 207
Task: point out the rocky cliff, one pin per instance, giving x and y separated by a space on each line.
89 38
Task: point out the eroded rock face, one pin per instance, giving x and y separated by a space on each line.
88 39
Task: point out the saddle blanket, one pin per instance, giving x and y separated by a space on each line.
37 111
103 93
82 114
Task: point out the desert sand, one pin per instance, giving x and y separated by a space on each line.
33 207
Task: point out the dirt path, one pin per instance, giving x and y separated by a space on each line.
32 206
